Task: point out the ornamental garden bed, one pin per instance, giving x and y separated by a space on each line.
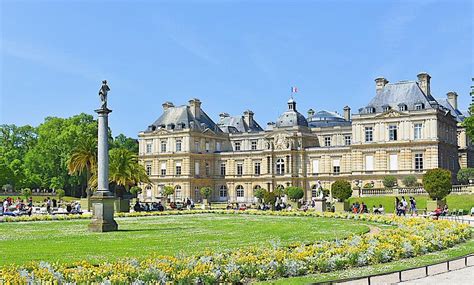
249 261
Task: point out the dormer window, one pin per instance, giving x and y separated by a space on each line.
386 108
419 106
402 107
370 110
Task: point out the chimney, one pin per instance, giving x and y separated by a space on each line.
380 83
248 117
453 99
167 105
424 82
195 107
347 113
310 113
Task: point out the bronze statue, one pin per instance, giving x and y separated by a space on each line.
104 89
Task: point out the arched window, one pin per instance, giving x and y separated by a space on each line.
177 192
223 191
148 191
240 191
197 193
280 166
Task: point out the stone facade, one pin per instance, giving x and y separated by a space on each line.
402 131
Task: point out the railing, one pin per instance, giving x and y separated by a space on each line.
376 191
462 189
411 191
456 189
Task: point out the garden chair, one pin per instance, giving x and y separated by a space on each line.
460 212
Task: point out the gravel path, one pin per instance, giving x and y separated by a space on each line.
455 277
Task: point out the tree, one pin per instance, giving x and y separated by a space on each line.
135 190
60 193
269 197
437 182
83 160
122 141
468 122
389 181
7 188
206 192
465 174
279 191
341 190
294 193
259 193
168 190
26 192
410 181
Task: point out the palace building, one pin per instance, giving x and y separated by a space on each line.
402 131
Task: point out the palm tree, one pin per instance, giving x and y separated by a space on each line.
124 170
84 160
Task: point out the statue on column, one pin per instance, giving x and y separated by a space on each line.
104 89
320 192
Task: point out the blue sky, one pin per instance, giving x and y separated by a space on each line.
233 55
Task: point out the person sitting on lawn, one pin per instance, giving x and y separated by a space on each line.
137 207
381 209
437 212
160 207
375 210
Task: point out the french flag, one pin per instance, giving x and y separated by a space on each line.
294 89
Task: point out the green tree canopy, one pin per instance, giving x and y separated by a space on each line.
409 181
269 197
437 182
206 192
259 193
60 193
341 190
465 174
389 181
26 192
168 190
122 141
294 193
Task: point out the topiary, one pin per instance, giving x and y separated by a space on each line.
341 190
259 193
206 192
464 175
294 193
269 197
410 181
168 190
389 181
437 182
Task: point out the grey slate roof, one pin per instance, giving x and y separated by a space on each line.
181 118
291 117
393 94
237 124
325 118
458 115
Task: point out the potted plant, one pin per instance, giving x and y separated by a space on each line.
341 191
389 181
206 192
294 194
167 191
437 182
269 198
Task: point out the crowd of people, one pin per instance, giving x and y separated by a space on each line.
19 207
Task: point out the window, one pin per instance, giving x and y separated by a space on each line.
178 145
257 168
218 146
148 191
370 110
315 166
418 161
393 162
268 164
336 166
327 141
419 106
208 147
163 168
402 107
208 169
163 146
369 163
149 146
223 191
237 146
254 145
178 193
178 168
418 128
148 168
369 134
196 168
240 168
240 191
347 140
222 168
392 132
386 108
280 166
197 146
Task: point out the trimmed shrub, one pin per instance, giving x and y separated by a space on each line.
206 192
410 181
389 181
168 190
294 193
341 190
60 193
464 175
259 193
437 182
135 190
269 197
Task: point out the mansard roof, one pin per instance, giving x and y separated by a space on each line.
393 94
291 117
458 115
325 118
237 124
181 117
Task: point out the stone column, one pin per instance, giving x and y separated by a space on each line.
103 200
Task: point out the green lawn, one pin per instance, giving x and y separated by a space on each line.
37 199
68 241
430 258
465 202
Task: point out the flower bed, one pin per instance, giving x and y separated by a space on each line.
411 237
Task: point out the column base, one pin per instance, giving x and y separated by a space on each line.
103 213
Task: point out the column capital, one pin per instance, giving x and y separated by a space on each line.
103 111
